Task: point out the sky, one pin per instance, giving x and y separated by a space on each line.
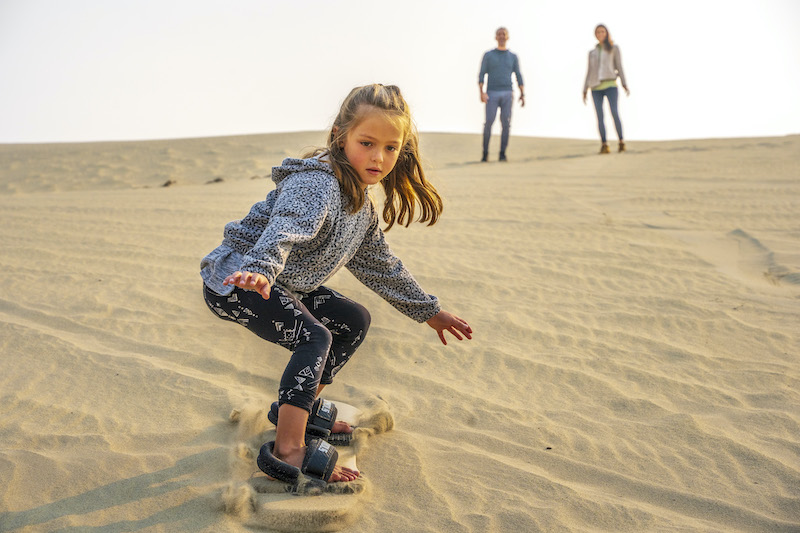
100 70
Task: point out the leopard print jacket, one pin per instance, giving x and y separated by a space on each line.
302 234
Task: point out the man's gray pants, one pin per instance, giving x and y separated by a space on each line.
504 100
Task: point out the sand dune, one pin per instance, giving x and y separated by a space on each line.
635 366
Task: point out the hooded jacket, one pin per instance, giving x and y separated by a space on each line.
302 234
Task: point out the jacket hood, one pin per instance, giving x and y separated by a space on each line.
291 166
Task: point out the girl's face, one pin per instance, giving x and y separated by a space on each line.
372 147
601 33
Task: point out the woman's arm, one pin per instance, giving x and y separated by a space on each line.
618 66
588 74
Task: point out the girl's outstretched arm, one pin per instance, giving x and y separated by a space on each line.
444 321
251 282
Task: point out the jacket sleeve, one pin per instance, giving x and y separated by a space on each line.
297 216
618 65
380 270
517 72
484 68
588 72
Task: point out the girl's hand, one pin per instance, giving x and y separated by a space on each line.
444 321
249 281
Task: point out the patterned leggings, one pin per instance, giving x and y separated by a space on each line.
322 330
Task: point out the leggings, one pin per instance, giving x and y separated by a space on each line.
323 329
611 93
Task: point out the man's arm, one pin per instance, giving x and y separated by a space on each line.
481 75
520 83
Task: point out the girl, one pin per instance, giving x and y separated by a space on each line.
605 64
269 271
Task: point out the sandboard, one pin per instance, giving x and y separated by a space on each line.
265 503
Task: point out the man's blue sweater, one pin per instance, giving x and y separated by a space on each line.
499 64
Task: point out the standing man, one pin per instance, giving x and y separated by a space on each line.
498 64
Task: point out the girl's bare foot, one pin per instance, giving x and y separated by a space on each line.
341 427
295 458
290 443
342 473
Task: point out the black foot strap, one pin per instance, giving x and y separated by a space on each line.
312 477
320 419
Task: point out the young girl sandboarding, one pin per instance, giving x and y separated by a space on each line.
269 271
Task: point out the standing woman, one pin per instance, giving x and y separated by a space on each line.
605 65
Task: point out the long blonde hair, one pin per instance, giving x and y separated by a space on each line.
405 186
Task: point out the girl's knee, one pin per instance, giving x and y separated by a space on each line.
321 336
364 318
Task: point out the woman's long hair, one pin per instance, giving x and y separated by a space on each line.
405 186
608 44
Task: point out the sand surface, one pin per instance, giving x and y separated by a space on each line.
635 366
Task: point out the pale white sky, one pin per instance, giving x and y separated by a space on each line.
89 70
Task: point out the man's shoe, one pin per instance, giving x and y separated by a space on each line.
621 146
604 149
503 156
485 157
